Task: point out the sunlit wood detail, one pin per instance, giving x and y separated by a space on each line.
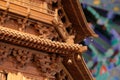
3 75
20 76
35 11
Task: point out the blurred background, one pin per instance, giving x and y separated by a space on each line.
103 56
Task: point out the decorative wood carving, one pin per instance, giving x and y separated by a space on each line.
26 25
21 58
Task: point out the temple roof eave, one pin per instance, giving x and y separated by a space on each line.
76 16
35 42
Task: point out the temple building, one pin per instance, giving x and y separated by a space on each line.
39 40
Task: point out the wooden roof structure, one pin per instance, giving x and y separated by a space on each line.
20 29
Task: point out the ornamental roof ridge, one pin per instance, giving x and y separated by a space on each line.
35 42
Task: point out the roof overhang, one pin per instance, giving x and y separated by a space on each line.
76 16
